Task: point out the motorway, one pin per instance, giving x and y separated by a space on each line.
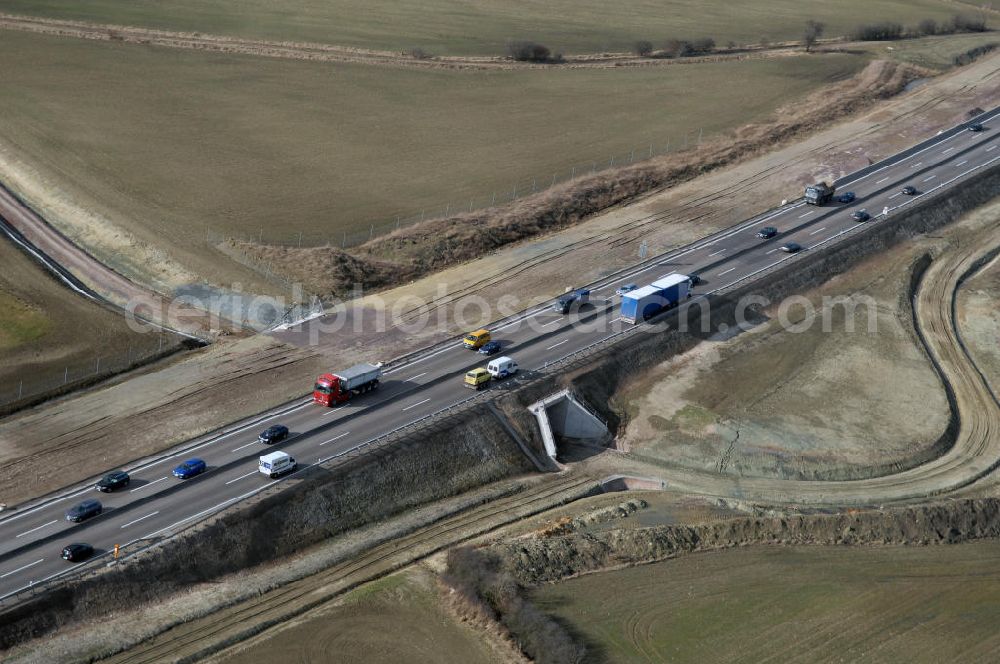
156 504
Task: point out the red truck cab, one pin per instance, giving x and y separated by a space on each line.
327 390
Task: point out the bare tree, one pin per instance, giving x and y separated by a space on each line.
814 30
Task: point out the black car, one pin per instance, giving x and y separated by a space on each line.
847 197
77 552
767 232
694 279
84 510
791 248
115 480
490 348
909 190
860 215
273 434
975 127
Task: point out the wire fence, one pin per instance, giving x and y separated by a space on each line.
84 371
522 187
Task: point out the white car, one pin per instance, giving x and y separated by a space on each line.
627 288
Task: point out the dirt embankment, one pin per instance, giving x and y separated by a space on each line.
433 245
457 454
490 582
536 561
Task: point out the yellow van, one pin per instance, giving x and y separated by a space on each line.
476 339
477 379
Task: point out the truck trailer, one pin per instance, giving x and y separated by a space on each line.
644 303
337 387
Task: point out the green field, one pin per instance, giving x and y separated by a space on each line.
395 619
484 26
933 52
167 143
49 334
810 605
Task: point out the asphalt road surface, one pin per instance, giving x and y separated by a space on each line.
157 504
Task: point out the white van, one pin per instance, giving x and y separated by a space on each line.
502 367
276 463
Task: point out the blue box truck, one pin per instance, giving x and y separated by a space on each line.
644 303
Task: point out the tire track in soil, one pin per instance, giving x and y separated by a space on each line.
207 635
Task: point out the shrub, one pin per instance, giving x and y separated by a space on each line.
529 51
419 54
643 47
677 48
703 45
973 54
928 26
963 23
814 30
878 31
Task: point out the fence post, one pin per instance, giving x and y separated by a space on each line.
573 174
20 390
371 233
300 239
65 375
98 369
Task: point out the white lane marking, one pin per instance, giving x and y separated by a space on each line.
417 376
552 322
818 230
991 148
141 518
727 271
333 410
140 488
962 163
911 156
898 193
881 181
28 532
803 216
245 446
211 509
334 438
917 165
557 345
416 404
928 179
720 251
24 567
947 150
237 479
770 252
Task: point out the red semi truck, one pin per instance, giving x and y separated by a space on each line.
337 387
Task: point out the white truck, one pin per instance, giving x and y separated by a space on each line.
276 464
502 367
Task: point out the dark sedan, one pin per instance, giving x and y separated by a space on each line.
909 190
767 232
490 348
77 552
83 511
860 215
791 248
113 481
847 197
273 434
190 468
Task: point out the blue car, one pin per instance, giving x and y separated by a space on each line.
627 288
489 348
190 468
847 197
